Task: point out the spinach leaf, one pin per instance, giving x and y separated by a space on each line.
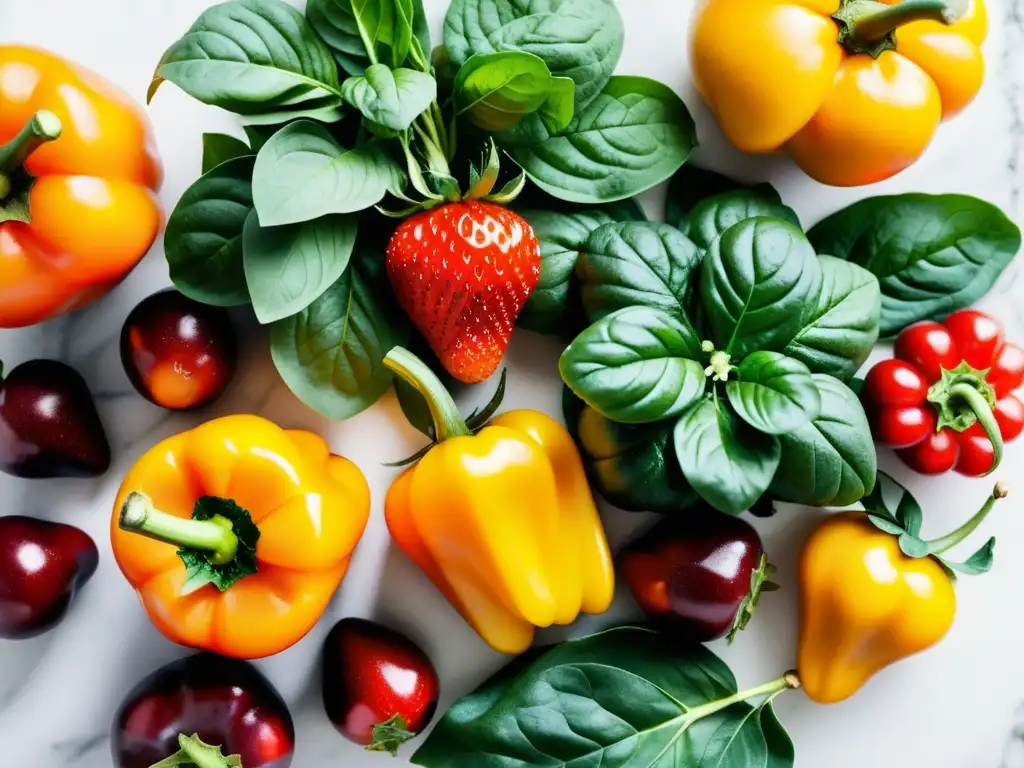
302 173
632 136
578 39
554 307
832 461
252 57
392 98
331 354
756 281
334 22
773 393
636 263
727 462
288 268
932 254
203 241
219 148
841 325
633 466
386 27
691 184
627 697
636 366
712 216
497 90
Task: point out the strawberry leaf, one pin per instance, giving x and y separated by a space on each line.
390 735
978 563
195 753
912 546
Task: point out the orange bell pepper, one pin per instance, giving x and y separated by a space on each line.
236 534
78 179
853 90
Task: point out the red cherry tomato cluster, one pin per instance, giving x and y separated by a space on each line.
945 401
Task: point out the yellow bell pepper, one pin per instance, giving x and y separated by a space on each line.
503 521
834 83
237 534
872 592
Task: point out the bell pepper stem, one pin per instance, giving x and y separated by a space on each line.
867 26
216 535
448 422
986 418
44 126
950 540
789 681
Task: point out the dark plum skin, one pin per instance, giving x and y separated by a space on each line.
179 354
49 426
42 567
227 702
693 571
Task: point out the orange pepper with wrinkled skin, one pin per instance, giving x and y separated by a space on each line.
82 155
853 90
310 509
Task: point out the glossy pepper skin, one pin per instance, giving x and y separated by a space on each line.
310 509
226 702
89 153
828 81
945 401
503 521
865 603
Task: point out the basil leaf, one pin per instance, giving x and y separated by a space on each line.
773 393
727 462
932 254
840 327
633 466
498 90
636 366
633 136
619 698
554 306
636 263
288 268
832 461
302 173
578 39
714 215
331 354
219 148
756 281
251 57
691 184
392 98
334 21
203 240
387 25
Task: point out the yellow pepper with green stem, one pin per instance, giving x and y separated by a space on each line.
502 521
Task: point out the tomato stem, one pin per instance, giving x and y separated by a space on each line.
866 26
950 540
448 422
43 127
216 535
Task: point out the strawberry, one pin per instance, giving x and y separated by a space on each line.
463 272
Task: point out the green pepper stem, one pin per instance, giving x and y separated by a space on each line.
44 126
448 422
867 26
789 681
986 418
216 535
950 540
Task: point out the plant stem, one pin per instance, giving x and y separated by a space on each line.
43 127
789 681
448 422
986 418
216 535
950 540
871 21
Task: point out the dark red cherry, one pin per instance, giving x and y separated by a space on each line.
178 353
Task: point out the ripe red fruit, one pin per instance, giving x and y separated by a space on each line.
463 273
380 689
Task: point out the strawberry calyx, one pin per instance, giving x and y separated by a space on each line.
437 186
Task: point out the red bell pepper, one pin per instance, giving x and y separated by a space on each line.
945 401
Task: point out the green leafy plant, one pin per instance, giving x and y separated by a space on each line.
628 697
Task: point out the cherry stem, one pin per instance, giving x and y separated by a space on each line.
43 127
871 21
986 418
448 422
950 540
216 535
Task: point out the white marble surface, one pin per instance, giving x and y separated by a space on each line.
954 707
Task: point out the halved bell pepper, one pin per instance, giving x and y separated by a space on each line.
503 521
79 174
236 534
